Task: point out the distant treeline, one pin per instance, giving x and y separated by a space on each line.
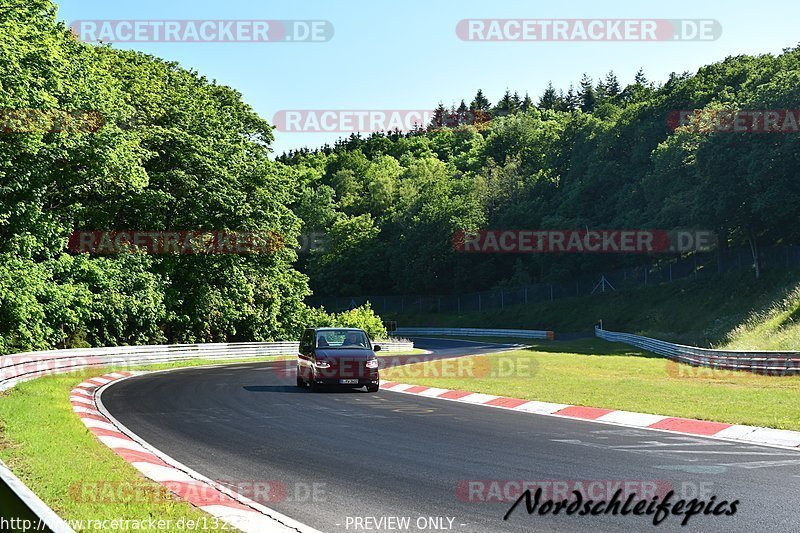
600 156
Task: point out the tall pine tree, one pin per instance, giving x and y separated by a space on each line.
439 116
480 108
480 103
463 114
569 101
516 102
587 95
612 85
549 98
527 103
505 106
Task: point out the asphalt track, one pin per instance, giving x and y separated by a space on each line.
341 456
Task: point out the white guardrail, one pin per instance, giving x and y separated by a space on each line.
762 362
31 365
476 332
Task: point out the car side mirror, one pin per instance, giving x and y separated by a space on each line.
376 348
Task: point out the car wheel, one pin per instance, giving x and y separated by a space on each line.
373 388
313 384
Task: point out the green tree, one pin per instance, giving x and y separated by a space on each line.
480 103
587 95
549 98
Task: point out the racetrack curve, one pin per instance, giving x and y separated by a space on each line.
397 455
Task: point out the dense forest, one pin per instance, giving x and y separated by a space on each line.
600 156
174 151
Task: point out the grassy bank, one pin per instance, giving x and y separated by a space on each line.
596 373
33 413
47 446
732 309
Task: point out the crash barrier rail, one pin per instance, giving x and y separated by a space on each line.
18 501
476 332
21 367
21 510
761 362
395 346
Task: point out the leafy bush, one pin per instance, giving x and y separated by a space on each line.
72 302
360 317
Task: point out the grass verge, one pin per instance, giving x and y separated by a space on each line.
710 311
413 351
47 446
596 373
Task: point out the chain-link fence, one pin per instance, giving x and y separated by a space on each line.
697 265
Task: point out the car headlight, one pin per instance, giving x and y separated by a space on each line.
322 364
372 363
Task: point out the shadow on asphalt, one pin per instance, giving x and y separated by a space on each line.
295 389
274 388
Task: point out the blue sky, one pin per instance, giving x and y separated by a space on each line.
406 55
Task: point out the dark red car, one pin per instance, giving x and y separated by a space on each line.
340 357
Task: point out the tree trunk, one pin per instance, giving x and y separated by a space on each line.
754 250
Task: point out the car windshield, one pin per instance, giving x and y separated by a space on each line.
342 338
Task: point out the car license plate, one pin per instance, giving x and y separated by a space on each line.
348 381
